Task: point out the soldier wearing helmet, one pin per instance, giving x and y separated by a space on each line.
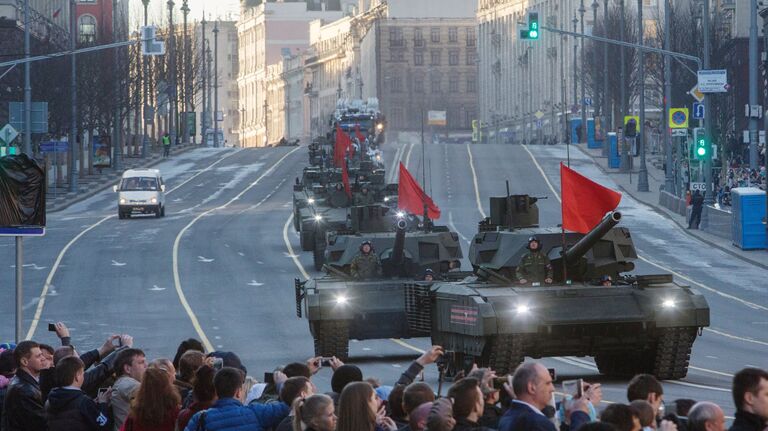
534 266
429 275
366 264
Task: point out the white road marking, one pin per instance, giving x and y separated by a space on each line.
474 181
255 283
291 253
736 337
116 263
241 253
156 288
455 229
204 259
57 262
408 157
177 277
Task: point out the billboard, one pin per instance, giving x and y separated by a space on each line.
436 118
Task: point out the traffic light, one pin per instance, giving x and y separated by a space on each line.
700 147
532 33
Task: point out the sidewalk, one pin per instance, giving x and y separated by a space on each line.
59 198
651 198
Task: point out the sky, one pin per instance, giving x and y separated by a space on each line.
158 10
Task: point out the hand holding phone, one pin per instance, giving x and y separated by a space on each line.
269 378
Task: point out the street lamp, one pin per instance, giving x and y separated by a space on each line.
642 176
185 90
584 128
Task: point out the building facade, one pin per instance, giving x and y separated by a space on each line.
285 91
269 31
418 58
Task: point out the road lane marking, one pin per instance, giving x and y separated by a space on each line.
177 278
395 160
408 157
474 180
291 253
736 337
662 267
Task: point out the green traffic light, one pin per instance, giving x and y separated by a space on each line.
701 151
533 34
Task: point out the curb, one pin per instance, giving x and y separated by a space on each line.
107 184
663 211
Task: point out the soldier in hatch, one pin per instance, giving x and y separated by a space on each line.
534 266
365 197
366 264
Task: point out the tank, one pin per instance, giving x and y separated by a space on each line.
339 307
640 324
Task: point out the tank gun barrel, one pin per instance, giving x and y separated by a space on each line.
589 240
398 250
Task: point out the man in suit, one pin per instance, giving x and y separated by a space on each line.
533 389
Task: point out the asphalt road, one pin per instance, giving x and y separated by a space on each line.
220 266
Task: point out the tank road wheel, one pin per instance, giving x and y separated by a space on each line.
673 353
318 253
503 353
332 339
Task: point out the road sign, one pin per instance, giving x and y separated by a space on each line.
713 81
680 133
149 43
588 101
8 134
54 147
698 111
539 123
696 93
539 115
698 186
436 118
678 118
22 231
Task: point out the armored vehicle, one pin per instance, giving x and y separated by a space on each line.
340 307
632 324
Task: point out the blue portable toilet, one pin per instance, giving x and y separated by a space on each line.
591 141
614 160
575 123
747 228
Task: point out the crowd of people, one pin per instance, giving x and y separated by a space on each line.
116 387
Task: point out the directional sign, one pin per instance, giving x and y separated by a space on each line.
8 134
696 94
698 186
698 111
713 81
54 147
678 118
22 231
588 101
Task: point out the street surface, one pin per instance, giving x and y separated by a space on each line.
220 266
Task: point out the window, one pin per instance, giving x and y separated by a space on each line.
87 28
396 36
418 58
396 55
435 84
418 85
471 39
453 84
435 58
471 58
453 34
418 37
434 34
397 84
453 57
471 85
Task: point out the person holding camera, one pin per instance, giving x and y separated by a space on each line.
68 408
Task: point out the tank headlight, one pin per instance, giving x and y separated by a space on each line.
311 200
400 214
522 309
122 200
669 303
318 218
386 198
341 299
379 126
378 157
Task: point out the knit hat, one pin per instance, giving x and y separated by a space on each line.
229 359
345 375
441 416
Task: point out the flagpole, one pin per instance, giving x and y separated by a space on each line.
562 223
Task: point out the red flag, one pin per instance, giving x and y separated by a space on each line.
56 13
345 179
411 197
359 135
585 202
342 144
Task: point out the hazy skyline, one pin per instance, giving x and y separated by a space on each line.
158 10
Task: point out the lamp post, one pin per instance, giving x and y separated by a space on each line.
606 106
172 113
185 90
116 123
204 74
669 179
575 67
584 128
642 176
595 5
216 84
145 68
622 71
72 168
28 85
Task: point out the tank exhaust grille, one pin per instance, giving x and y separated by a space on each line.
418 309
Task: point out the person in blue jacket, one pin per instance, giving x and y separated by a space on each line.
229 414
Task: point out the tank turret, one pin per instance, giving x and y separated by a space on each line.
511 212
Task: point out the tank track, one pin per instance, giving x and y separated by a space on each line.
667 361
296 218
318 252
504 353
673 353
332 339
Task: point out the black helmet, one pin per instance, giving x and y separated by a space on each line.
368 243
533 239
429 271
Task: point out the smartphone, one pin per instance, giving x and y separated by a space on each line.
52 327
102 391
269 378
218 363
574 388
117 342
552 374
325 362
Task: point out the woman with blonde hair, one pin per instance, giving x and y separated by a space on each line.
156 405
361 410
314 413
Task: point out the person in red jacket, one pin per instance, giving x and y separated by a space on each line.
156 406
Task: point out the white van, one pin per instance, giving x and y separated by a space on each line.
140 191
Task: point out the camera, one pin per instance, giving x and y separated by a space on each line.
325 362
52 327
218 363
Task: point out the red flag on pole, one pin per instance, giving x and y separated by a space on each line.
345 179
358 134
411 197
584 201
342 144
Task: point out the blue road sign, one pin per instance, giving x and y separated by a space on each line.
698 111
588 101
54 147
22 230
